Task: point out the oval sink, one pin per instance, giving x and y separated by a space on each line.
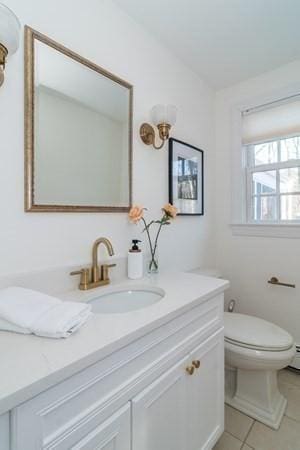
125 300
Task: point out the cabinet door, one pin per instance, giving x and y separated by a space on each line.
159 412
205 394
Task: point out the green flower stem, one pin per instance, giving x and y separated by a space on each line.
148 234
162 221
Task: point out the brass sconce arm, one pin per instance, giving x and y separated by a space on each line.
164 117
9 36
147 134
3 55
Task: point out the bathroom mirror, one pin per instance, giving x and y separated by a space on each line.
78 132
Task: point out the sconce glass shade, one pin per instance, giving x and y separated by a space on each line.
164 114
9 29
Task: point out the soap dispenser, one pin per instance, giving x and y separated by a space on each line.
135 261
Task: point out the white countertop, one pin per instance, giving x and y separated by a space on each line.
31 364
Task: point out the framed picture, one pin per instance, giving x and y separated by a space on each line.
186 178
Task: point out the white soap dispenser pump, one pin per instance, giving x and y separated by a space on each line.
135 261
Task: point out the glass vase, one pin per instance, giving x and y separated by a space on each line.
152 264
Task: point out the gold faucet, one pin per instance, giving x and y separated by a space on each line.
96 275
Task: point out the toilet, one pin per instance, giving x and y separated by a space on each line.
254 352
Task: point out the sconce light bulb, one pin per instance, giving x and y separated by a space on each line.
162 114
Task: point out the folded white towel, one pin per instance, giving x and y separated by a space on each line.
26 311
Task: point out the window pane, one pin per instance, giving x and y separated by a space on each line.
290 148
290 207
265 153
264 182
264 208
290 180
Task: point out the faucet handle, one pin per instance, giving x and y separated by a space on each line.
104 270
76 272
84 278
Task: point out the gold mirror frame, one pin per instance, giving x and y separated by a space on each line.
30 206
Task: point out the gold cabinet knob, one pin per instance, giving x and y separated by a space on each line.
196 363
190 370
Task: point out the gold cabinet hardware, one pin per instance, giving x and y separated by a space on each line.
274 280
196 363
190 370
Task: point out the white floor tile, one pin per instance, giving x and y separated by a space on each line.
228 442
287 376
237 423
292 394
287 437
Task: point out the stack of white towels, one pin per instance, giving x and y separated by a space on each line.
31 312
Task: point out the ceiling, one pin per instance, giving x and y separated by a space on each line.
224 41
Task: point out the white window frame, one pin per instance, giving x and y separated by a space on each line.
276 166
240 224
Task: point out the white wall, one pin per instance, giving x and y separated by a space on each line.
98 30
250 261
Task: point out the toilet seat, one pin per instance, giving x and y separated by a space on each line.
255 333
256 347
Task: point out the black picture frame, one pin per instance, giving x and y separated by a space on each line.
186 178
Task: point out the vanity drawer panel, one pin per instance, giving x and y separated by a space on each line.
112 433
110 383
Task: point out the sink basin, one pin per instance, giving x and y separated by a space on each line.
125 300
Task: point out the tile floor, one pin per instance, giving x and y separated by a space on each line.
243 433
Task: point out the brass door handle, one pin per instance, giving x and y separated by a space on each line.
190 370
196 363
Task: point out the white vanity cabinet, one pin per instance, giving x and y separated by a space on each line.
140 397
182 411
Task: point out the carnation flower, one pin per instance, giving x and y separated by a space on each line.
170 210
136 213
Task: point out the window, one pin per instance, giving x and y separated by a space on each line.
271 143
273 181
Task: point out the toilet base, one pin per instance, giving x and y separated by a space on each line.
258 396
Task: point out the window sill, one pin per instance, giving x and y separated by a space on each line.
290 231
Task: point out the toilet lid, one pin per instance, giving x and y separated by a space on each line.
253 332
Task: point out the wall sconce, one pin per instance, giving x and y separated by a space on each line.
163 116
9 36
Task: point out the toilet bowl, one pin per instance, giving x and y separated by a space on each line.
254 352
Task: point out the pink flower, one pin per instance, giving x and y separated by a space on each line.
136 213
